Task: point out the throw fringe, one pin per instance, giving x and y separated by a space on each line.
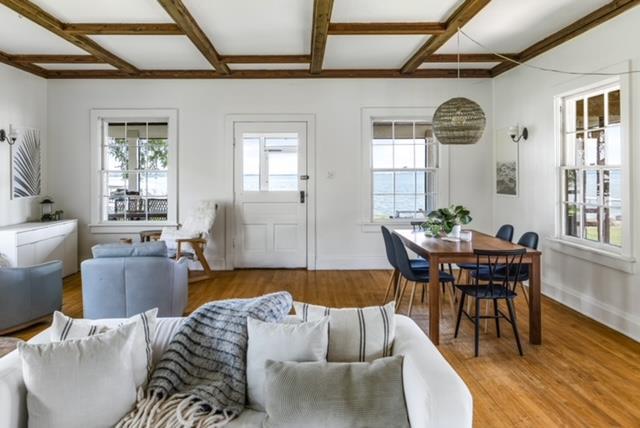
177 411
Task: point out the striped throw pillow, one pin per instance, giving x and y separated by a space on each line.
355 334
66 328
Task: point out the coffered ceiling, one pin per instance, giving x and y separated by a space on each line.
286 38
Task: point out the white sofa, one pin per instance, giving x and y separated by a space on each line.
435 395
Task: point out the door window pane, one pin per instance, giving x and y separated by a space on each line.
283 170
251 164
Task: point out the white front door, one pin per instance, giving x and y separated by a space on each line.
270 194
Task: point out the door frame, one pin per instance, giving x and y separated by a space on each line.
310 121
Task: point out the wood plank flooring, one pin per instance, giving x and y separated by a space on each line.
584 374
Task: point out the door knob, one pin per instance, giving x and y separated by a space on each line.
302 194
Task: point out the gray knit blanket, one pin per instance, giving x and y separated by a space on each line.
200 381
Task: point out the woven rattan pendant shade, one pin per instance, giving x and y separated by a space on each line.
459 121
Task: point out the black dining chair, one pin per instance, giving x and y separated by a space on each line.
505 232
499 287
416 264
414 275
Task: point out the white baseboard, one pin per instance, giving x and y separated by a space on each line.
624 322
351 263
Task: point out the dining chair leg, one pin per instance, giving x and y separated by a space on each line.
413 294
460 308
402 288
486 320
452 303
514 324
477 328
392 279
524 292
495 313
424 293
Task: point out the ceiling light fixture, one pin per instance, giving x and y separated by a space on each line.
459 120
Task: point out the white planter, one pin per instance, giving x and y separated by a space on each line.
455 232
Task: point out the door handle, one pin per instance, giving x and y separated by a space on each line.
302 195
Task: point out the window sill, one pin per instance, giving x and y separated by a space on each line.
605 258
373 227
127 228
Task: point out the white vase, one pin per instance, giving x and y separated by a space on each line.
455 232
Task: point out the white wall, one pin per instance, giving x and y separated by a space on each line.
23 103
526 96
204 155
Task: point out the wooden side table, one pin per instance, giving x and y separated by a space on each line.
8 344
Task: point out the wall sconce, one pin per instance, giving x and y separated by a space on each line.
9 137
517 133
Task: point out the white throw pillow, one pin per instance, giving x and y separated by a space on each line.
80 383
355 334
300 342
65 328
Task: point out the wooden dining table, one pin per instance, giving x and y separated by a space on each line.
438 250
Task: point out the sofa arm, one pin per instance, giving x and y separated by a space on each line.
434 393
180 287
13 395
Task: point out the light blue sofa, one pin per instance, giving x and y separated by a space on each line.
123 280
29 294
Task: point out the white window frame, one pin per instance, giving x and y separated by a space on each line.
372 114
98 117
620 258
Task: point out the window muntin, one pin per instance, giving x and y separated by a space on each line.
591 170
269 162
404 164
134 171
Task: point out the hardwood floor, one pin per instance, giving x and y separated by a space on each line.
584 374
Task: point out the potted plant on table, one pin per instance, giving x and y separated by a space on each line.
447 220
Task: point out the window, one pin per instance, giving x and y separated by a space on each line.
592 168
135 161
270 162
404 165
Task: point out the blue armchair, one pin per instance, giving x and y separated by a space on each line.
29 295
123 280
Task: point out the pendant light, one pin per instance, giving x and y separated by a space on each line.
459 120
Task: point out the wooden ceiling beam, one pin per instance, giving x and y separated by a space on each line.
467 57
57 59
29 68
578 27
49 22
266 59
460 17
321 19
385 28
267 74
140 29
182 17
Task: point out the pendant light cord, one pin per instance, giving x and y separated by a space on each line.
551 70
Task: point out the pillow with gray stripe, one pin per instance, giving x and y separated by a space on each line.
66 328
336 395
355 334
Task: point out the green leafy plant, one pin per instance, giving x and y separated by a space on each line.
443 219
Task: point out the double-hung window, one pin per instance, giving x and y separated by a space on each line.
592 174
404 169
135 167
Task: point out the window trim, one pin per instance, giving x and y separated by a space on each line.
98 225
368 116
580 247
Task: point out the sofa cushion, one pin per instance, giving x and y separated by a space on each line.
66 328
337 395
355 334
305 341
141 249
80 383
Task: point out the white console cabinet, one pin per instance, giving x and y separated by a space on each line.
28 244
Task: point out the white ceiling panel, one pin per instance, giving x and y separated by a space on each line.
453 65
111 11
509 26
74 66
269 66
370 51
247 27
20 36
156 52
393 10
